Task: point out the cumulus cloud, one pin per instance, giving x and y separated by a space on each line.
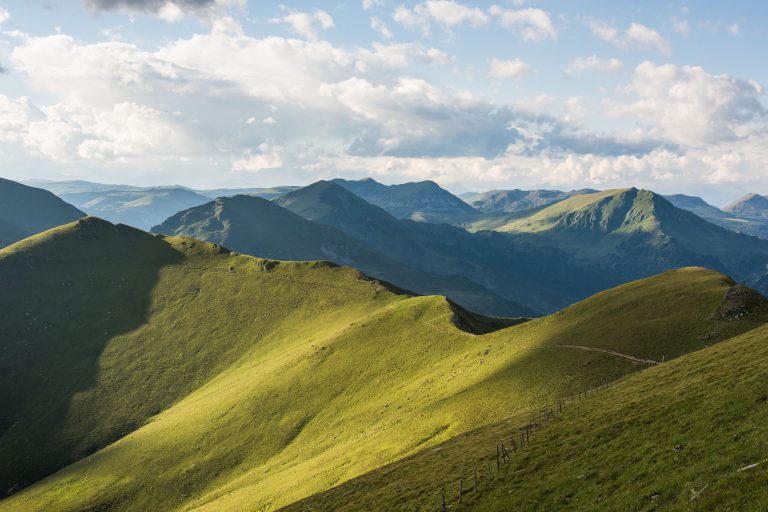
70 129
380 27
306 24
636 35
687 105
168 10
532 24
357 111
592 63
508 69
446 13
268 156
4 16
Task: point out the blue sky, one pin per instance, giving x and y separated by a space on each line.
474 95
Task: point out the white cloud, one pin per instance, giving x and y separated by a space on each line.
4 16
398 55
380 28
269 156
592 63
447 13
70 129
269 120
689 106
508 69
533 24
306 24
636 35
370 4
734 30
681 27
355 111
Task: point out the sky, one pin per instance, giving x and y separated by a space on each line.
662 95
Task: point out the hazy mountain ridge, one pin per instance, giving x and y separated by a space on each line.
420 201
261 228
25 211
138 208
511 201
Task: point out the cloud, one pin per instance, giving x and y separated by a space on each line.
380 28
636 35
592 63
532 24
681 27
370 4
70 129
168 10
176 113
508 69
268 156
4 16
446 13
306 24
689 106
734 30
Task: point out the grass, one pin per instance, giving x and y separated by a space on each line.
671 437
187 377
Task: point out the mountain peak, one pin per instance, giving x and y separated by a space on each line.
750 205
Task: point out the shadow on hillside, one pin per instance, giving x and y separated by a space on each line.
63 300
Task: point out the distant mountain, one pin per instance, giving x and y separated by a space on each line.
545 280
78 186
749 206
634 232
258 227
422 201
26 211
511 201
732 220
138 208
266 193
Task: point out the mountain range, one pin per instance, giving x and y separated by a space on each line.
167 373
26 211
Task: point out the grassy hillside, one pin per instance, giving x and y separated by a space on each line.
25 211
138 208
188 377
672 436
258 227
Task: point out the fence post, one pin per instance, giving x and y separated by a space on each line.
475 476
461 485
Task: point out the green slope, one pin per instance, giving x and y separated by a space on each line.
233 383
25 211
651 442
258 227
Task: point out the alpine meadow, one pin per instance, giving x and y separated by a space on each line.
431 255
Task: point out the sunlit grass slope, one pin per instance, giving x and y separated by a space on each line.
671 437
198 379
